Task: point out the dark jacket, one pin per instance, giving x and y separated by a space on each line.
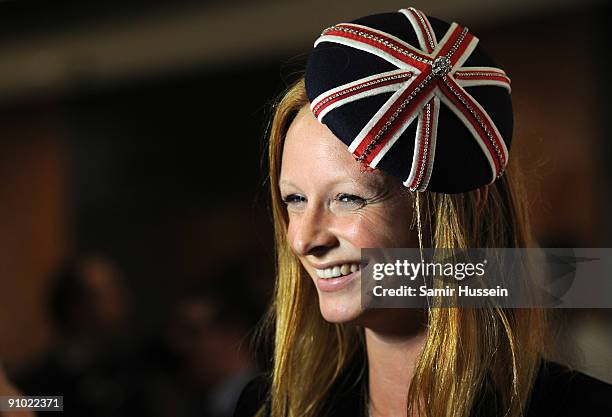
558 392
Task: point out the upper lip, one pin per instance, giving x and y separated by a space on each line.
332 264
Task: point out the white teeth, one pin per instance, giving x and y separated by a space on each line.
337 270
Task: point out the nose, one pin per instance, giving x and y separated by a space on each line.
310 232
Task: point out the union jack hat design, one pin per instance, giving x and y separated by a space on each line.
414 96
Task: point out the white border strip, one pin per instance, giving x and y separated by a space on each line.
383 151
377 90
421 36
431 151
476 83
365 47
473 131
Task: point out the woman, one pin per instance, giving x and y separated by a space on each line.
427 120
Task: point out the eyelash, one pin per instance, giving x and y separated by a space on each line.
353 199
291 198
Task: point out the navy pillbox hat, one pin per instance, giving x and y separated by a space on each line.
414 96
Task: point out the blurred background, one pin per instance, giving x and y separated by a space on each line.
135 243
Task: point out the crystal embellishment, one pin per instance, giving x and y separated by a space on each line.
441 66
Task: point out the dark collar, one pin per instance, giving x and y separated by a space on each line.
557 392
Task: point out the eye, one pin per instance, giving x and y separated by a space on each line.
293 199
351 200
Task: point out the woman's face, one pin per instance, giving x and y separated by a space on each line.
334 210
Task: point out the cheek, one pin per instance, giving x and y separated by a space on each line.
293 226
363 231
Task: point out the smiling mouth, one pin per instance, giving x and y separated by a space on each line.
338 270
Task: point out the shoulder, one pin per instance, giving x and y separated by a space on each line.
559 391
253 396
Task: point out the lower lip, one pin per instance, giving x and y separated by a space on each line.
336 284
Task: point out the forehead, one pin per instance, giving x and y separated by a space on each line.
311 152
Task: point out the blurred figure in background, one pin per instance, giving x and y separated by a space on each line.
89 366
209 335
201 365
197 369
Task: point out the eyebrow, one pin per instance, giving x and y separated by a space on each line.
286 182
368 182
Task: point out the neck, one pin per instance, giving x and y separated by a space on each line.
392 356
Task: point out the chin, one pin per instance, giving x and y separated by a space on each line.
340 308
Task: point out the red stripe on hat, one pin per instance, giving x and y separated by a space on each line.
390 46
499 160
424 30
482 75
401 118
429 28
425 143
356 89
452 40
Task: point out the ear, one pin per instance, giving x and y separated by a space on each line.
480 196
